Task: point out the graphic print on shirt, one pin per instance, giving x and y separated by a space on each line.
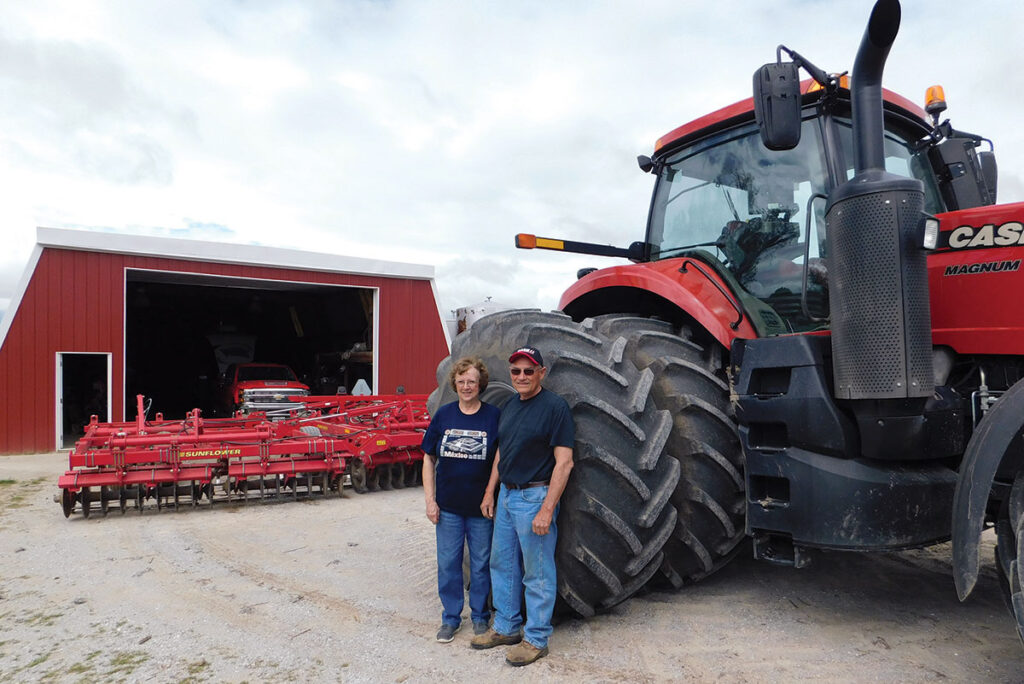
467 444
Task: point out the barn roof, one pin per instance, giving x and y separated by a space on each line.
204 251
225 252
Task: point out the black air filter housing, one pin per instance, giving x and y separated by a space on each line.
878 288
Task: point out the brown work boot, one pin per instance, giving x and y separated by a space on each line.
490 639
524 654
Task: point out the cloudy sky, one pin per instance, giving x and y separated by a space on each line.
419 130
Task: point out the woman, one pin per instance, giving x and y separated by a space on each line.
459 447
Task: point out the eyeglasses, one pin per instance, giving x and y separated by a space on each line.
466 383
525 371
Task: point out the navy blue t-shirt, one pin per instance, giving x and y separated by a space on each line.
528 432
464 446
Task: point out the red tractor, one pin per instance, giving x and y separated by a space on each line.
815 346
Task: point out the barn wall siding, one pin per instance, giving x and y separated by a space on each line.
74 302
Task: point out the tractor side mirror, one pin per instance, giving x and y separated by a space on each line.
638 251
989 172
777 105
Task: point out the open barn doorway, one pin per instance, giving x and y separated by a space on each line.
83 390
184 332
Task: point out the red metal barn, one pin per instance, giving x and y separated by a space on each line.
100 317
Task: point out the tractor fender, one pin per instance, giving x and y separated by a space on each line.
697 290
985 452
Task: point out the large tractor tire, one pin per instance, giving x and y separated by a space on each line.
691 384
615 515
1010 550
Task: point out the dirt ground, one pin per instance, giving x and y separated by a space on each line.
345 590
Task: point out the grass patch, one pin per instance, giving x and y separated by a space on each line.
198 666
54 675
260 662
18 496
44 619
126 662
195 669
38 660
80 668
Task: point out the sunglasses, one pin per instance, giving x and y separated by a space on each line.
524 371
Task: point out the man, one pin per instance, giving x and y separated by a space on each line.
535 439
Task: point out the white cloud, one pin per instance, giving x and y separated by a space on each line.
427 131
256 81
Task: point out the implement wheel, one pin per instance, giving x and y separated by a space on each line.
1010 550
615 515
67 502
709 499
84 498
338 484
398 475
383 474
414 474
357 474
373 479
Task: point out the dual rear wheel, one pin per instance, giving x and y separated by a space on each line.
656 492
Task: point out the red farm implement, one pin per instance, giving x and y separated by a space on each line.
374 440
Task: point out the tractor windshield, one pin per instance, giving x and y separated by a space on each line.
743 208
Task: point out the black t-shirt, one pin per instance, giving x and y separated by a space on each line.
464 446
528 432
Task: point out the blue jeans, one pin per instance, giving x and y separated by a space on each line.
520 558
452 530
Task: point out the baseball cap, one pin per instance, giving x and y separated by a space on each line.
529 353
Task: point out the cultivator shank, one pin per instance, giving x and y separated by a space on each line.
375 440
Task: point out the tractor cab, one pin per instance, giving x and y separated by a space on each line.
754 212
757 215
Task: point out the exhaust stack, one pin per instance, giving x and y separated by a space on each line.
866 85
878 279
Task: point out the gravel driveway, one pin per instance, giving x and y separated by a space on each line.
344 590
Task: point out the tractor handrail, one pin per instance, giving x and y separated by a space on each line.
736 305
